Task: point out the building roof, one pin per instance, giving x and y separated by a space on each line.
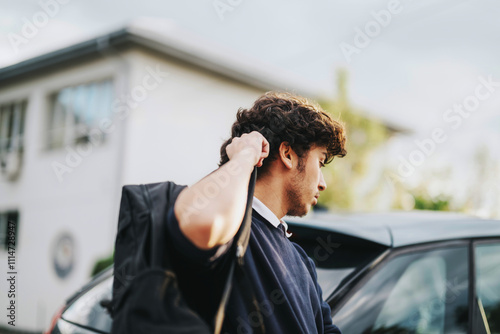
167 38
397 229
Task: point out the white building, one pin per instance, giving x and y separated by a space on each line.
143 104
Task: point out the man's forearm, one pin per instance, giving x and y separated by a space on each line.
210 212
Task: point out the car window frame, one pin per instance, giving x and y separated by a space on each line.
477 325
398 251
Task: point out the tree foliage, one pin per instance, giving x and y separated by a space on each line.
364 136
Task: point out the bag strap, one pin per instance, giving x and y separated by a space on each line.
242 238
243 235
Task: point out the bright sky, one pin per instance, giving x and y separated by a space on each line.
419 62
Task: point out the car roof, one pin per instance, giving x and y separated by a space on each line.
402 228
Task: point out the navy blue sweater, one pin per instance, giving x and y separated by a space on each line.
283 277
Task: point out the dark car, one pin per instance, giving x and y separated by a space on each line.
409 272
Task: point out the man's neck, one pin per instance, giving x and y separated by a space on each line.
270 194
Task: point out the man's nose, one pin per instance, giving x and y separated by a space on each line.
322 183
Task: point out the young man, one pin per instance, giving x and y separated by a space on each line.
289 139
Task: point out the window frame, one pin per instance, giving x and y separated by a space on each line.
476 324
19 107
70 136
4 246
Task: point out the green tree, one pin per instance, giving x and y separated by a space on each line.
102 264
364 136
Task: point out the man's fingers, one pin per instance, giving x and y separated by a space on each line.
254 141
265 148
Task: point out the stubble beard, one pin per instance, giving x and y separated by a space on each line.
294 192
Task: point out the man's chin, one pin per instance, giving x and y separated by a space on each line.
299 212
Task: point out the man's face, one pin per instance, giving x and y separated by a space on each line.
303 188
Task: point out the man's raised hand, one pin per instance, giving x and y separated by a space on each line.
252 146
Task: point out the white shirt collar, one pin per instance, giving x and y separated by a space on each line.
268 215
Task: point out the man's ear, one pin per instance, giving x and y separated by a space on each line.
287 155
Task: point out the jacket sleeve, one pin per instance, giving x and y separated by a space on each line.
329 327
326 312
185 249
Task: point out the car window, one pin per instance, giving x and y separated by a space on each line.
336 256
329 279
487 258
417 298
87 311
423 292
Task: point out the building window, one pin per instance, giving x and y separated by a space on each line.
76 110
9 222
11 136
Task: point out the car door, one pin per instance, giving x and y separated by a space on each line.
421 290
486 305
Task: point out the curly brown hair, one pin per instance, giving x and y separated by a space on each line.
284 117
